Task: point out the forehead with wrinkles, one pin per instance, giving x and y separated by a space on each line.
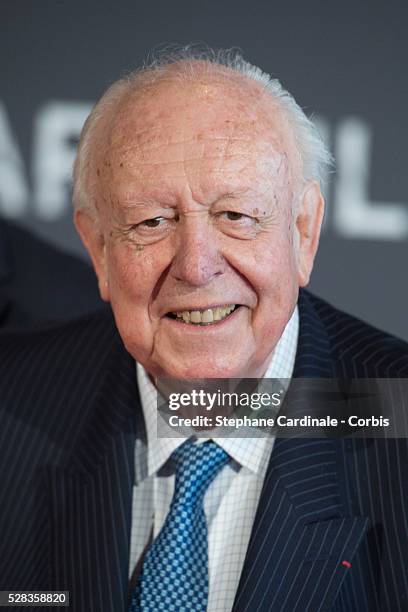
173 127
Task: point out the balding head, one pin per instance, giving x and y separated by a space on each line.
199 71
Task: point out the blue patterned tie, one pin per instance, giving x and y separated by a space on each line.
174 576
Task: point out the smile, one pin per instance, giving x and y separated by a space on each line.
206 316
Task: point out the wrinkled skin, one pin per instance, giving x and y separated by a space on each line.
200 203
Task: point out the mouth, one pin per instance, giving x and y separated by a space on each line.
207 316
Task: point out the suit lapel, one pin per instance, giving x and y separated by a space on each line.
301 534
301 531
91 498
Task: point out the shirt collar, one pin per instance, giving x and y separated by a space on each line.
251 453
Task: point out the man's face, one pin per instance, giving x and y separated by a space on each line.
196 247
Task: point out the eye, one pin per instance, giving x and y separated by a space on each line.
149 230
155 222
239 217
237 224
234 216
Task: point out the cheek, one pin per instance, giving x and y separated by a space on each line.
274 278
131 273
132 278
271 267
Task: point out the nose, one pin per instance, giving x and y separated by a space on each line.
197 260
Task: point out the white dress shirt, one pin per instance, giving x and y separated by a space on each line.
231 500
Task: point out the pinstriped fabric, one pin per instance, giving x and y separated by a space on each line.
326 479
307 466
376 468
90 521
357 349
67 437
68 401
381 492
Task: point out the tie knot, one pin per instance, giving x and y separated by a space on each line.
196 467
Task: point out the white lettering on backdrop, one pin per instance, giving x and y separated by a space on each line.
57 125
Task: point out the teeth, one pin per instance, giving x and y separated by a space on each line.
195 316
205 317
217 314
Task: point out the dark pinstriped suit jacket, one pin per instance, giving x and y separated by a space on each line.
68 400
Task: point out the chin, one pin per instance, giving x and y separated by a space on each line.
208 370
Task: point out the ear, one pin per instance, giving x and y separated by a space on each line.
88 227
307 226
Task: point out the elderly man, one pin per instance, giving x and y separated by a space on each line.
197 196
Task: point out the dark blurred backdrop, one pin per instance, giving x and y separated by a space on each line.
345 63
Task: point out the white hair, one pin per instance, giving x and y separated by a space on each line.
183 63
